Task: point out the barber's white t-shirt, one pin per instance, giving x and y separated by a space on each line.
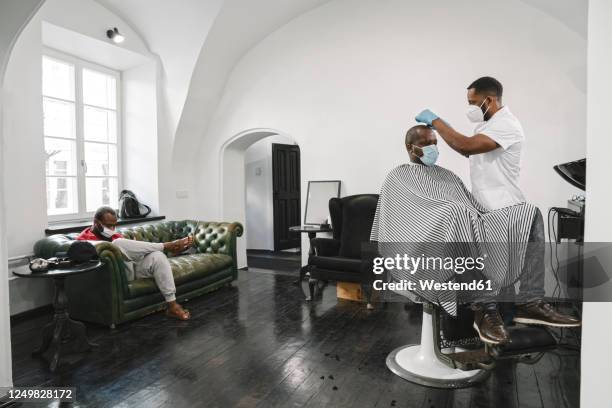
495 174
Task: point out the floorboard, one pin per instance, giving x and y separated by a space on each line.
259 344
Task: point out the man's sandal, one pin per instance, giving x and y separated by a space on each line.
183 316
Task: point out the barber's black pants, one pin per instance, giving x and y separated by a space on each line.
531 282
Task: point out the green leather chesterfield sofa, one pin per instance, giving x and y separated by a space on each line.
107 297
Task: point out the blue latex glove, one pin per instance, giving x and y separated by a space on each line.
426 117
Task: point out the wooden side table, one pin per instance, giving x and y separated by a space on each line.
62 329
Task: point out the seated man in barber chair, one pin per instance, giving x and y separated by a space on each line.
450 213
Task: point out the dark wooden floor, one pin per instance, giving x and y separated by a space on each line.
258 344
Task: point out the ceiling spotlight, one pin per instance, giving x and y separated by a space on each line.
115 35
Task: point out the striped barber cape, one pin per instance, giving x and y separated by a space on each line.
427 212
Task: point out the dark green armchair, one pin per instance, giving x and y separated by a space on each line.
107 296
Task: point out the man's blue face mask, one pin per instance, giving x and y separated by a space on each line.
430 154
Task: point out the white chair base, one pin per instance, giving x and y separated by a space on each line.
419 363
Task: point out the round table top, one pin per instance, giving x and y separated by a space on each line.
61 272
310 228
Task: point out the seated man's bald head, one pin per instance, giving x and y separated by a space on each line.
417 137
415 133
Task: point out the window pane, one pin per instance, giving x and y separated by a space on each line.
101 159
100 124
58 118
99 89
58 79
101 191
61 195
60 157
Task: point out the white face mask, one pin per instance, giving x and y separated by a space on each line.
107 232
430 155
474 113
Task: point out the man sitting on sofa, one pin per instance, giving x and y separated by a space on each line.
146 259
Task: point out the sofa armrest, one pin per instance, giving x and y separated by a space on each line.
218 238
98 296
112 256
235 228
325 246
48 247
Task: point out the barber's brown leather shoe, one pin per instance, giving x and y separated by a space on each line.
540 312
490 326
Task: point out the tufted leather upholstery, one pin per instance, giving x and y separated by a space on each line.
107 297
209 237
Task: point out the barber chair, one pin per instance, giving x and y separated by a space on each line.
340 258
451 354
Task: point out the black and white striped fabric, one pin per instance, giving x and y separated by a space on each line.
426 211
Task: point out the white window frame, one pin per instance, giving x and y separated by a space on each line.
79 64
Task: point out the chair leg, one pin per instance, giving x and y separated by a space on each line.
312 284
303 272
367 290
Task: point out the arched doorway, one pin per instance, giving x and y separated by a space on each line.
233 188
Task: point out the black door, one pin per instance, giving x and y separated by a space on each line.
286 194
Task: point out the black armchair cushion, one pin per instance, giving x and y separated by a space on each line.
357 219
336 263
325 246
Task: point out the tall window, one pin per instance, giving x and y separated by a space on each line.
81 131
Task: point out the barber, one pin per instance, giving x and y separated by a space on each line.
495 148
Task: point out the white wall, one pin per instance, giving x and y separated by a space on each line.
346 79
175 32
24 165
258 180
24 168
13 17
28 294
90 18
596 356
232 34
140 137
178 44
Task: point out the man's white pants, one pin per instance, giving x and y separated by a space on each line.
150 262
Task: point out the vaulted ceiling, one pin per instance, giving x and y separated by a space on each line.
200 41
